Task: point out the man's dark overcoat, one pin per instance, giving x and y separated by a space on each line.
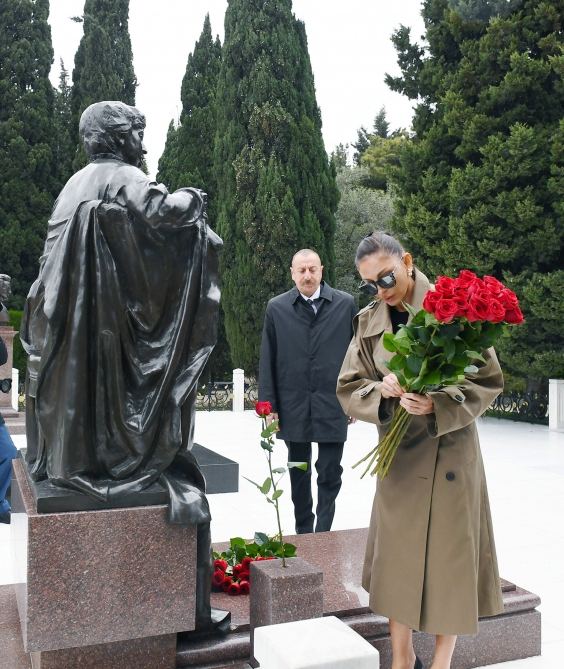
301 355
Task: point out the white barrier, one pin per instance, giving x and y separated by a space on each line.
556 404
15 388
238 390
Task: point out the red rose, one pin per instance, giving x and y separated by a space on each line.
514 316
493 285
263 408
446 309
508 299
220 564
444 285
233 589
218 578
237 569
465 278
430 300
497 311
478 306
227 581
244 575
462 305
246 561
244 587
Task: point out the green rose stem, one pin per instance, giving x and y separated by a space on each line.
275 496
383 453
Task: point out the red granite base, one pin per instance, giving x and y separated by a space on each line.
513 635
99 577
149 653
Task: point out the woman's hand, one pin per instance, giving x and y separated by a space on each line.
416 404
391 386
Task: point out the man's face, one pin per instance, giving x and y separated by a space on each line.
133 147
307 273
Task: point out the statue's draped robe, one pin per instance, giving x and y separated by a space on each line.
118 326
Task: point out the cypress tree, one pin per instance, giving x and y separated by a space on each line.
276 190
188 155
481 186
187 159
103 63
64 145
26 131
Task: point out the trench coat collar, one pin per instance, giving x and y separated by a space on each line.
381 321
326 293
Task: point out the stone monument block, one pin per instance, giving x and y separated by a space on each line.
312 644
99 577
284 594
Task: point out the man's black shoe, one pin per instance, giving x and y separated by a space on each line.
5 517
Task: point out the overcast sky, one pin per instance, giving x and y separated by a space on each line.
349 46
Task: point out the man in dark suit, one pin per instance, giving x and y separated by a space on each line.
306 334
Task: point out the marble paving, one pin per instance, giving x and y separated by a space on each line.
525 471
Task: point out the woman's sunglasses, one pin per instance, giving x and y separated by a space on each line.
371 287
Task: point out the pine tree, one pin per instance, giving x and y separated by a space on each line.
381 125
482 184
103 64
361 144
339 157
64 144
188 155
26 131
276 189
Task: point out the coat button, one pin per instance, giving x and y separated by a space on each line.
450 476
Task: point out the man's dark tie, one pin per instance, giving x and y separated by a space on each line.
312 305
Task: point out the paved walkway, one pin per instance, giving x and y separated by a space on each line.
525 470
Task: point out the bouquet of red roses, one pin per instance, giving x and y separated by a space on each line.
443 343
232 567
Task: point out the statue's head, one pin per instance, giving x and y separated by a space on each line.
5 287
113 128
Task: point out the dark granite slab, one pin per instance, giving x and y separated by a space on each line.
221 474
97 577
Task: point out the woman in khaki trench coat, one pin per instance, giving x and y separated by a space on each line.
430 560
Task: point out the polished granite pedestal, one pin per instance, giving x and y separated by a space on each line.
339 555
101 589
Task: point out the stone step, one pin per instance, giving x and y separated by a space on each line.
15 422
